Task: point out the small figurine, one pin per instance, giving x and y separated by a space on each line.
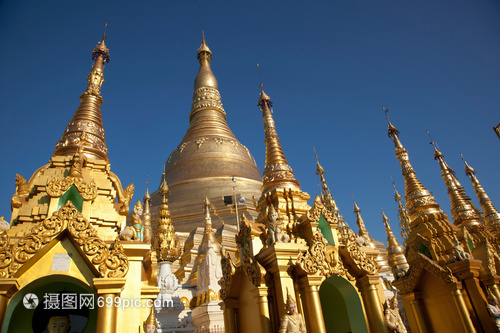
274 232
392 317
150 323
493 309
136 231
59 324
293 321
458 251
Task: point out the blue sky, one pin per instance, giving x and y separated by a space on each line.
329 66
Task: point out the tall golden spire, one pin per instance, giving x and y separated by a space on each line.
206 93
491 215
166 243
418 199
462 212
85 130
361 225
425 214
148 231
277 173
404 219
326 195
395 252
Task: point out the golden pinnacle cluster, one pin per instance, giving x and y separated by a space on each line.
276 263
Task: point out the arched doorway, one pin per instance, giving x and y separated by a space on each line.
24 315
341 305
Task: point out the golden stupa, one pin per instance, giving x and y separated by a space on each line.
210 161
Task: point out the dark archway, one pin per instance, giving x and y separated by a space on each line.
21 318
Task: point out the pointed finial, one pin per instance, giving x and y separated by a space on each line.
104 34
203 36
437 152
260 78
384 217
264 98
397 197
392 131
468 169
319 169
356 208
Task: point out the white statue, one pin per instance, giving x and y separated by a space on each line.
293 321
392 317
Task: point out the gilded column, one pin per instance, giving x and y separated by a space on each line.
265 318
8 287
458 297
229 307
415 314
107 288
468 272
494 289
371 301
313 312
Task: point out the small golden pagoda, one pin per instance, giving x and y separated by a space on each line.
63 242
294 249
446 286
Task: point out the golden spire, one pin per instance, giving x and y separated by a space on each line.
166 243
326 195
418 199
205 77
404 220
395 252
361 225
206 95
491 215
146 215
85 130
277 173
462 212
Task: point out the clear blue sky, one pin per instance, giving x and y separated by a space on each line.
329 66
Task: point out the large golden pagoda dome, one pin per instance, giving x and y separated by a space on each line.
209 161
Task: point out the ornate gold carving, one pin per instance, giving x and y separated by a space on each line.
362 261
56 188
212 296
199 143
206 97
418 265
111 263
321 258
228 270
5 254
251 267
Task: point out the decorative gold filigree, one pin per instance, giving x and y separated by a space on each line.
228 270
321 258
251 267
352 248
212 296
110 263
409 283
56 188
6 256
